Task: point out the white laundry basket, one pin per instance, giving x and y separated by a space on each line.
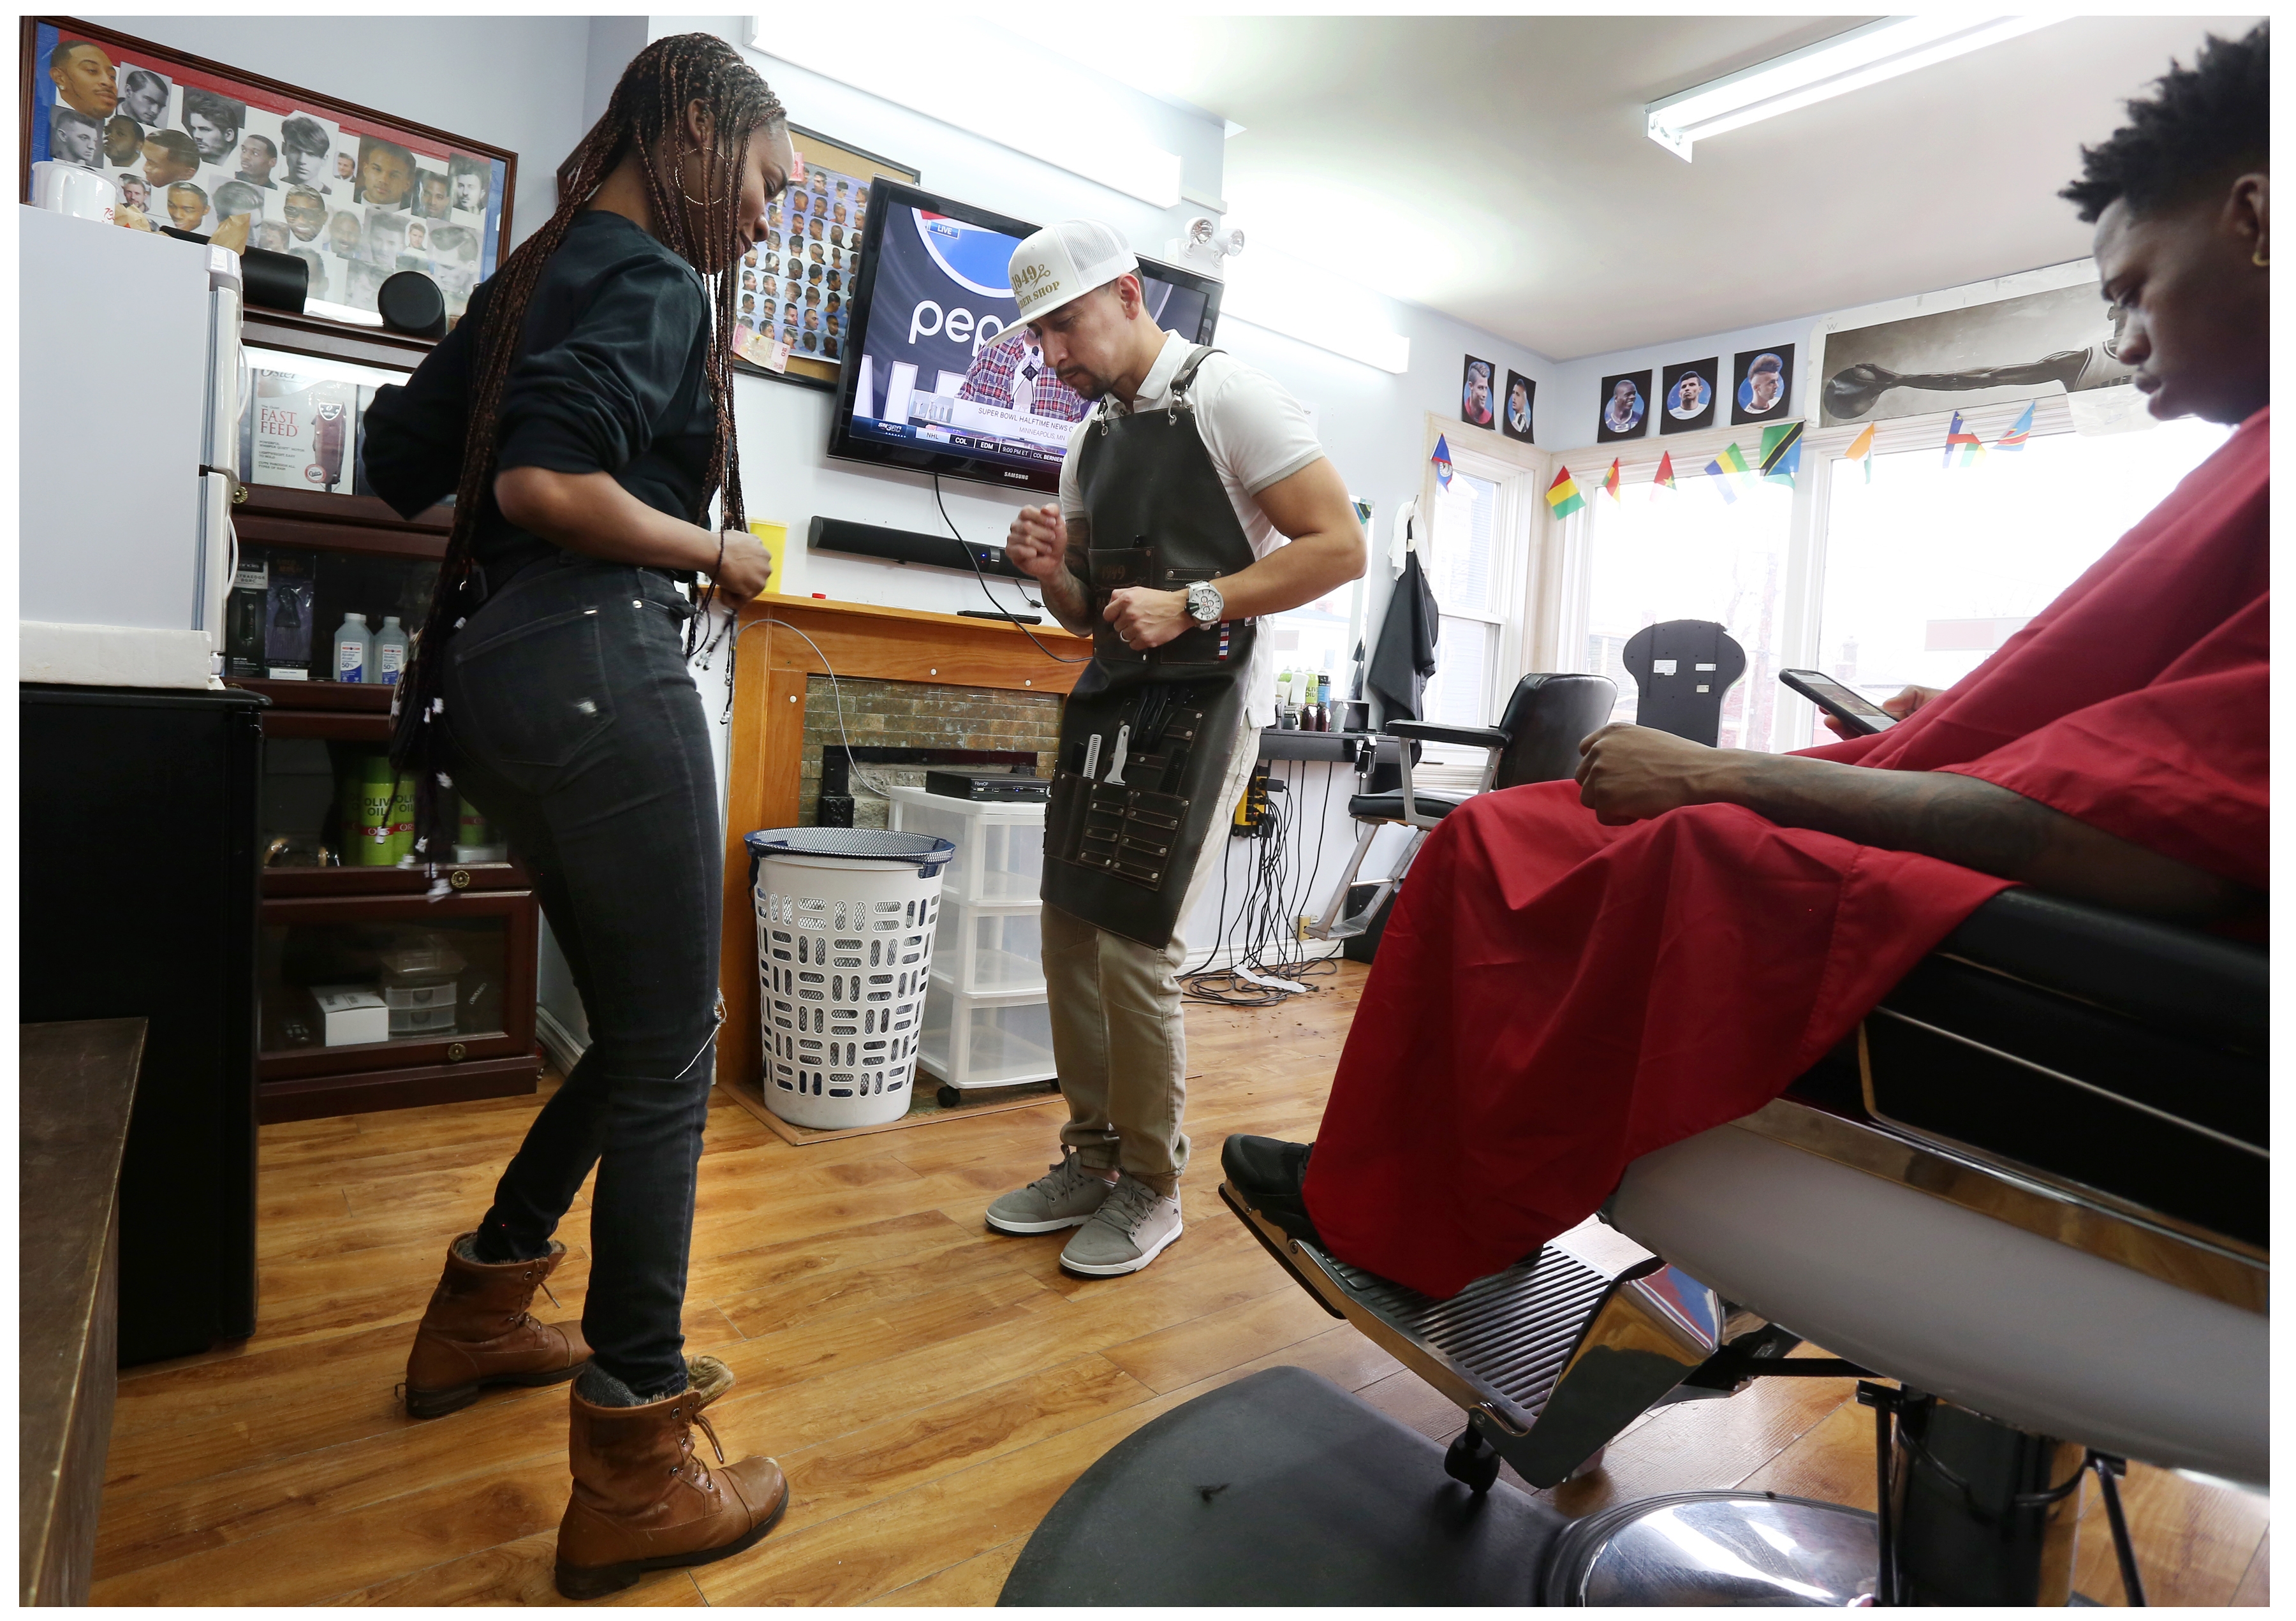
845 937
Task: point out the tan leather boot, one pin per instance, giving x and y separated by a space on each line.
644 1501
477 1333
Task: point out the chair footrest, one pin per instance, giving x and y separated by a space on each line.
1498 1346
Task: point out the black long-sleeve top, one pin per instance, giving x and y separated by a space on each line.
608 378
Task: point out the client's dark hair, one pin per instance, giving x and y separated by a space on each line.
2203 124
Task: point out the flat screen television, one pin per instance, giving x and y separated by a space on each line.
926 385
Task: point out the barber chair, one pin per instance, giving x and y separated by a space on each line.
1536 740
1683 669
2032 1190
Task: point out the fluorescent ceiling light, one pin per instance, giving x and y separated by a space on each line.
913 69
1285 295
1832 67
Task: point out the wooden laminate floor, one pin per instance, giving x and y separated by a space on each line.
930 1388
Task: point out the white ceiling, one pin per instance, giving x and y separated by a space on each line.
1495 168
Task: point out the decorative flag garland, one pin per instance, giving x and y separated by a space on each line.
2020 430
1861 449
1611 479
1972 448
1723 469
1563 496
1782 453
1442 459
1664 480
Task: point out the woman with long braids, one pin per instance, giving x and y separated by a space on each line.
582 413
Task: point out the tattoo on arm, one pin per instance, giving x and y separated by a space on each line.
1982 825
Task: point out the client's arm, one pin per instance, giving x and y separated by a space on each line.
592 514
1629 773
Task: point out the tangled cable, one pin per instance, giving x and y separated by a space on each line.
1267 918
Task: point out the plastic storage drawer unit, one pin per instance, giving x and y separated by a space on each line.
1000 845
991 947
990 1040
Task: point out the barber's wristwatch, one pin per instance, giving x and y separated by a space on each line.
1204 602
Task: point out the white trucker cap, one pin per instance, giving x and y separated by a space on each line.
1066 261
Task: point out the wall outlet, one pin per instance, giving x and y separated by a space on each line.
1305 924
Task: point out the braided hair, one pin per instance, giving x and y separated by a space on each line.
646 117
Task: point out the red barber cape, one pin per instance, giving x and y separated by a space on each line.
1554 998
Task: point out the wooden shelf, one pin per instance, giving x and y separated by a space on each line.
350 697
314 335
285 504
346 882
319 1096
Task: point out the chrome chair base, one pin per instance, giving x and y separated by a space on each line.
1717 1548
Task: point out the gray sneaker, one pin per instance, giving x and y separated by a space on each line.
1126 1232
1066 1198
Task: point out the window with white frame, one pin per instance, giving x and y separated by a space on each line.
1929 567
1463 555
1912 575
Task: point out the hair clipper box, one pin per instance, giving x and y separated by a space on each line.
301 431
291 604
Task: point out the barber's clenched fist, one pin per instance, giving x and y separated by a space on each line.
1037 542
1147 618
1629 773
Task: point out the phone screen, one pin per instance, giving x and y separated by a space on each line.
1828 693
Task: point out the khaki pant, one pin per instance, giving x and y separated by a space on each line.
1117 1032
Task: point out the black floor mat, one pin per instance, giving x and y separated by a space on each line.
1282 1488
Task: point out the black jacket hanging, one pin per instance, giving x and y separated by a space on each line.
1404 655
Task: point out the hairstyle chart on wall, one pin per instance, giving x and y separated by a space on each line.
192 146
792 308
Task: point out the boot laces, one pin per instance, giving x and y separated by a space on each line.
700 1473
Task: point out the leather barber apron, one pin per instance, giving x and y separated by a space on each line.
1130 812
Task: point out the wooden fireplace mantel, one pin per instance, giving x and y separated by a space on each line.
766 748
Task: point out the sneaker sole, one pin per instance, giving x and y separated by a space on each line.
1122 1267
1006 1224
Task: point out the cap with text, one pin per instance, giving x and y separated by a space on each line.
1061 263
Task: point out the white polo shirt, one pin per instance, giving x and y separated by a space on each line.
1258 435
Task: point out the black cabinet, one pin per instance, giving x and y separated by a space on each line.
139 870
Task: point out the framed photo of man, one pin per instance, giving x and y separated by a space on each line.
1476 390
1625 410
1686 396
356 194
813 239
1762 385
1515 412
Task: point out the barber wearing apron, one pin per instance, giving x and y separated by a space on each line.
1194 501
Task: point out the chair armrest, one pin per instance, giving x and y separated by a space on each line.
1466 737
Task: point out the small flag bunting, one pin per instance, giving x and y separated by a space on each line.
1861 449
1442 459
1563 496
1782 453
1611 479
1971 447
2020 430
1665 477
1732 460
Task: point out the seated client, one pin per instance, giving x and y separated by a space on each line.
1577 974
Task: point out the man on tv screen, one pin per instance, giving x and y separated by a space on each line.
1176 530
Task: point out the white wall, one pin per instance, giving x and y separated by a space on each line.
1578 405
507 81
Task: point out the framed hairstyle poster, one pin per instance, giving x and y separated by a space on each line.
356 194
797 284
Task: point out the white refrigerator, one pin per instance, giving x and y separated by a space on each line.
130 382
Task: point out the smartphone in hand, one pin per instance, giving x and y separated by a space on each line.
1861 715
